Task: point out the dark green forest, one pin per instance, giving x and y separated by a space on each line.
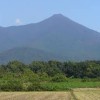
51 75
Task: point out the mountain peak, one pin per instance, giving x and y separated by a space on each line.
56 18
58 15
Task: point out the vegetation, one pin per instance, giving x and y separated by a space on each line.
51 75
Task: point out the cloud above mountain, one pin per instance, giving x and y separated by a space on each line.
18 21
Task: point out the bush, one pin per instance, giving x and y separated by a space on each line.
59 78
86 79
36 86
12 85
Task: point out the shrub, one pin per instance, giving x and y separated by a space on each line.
36 86
59 78
11 85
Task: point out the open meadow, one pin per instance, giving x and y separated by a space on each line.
75 94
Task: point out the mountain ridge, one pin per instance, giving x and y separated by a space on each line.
26 55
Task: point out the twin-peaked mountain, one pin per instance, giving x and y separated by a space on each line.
57 36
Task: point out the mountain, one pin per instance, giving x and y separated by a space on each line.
26 55
57 34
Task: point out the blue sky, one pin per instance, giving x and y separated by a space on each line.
18 12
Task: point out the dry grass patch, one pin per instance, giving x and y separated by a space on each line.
35 96
75 94
87 93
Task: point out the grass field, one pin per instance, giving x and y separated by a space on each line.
87 94
64 86
35 96
75 94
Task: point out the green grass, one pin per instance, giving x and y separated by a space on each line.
62 86
49 86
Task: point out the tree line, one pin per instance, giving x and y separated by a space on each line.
16 75
90 69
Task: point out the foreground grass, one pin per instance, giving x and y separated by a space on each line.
75 94
35 96
87 94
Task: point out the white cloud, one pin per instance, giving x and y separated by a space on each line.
18 21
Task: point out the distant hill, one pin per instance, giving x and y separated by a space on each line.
58 35
26 55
